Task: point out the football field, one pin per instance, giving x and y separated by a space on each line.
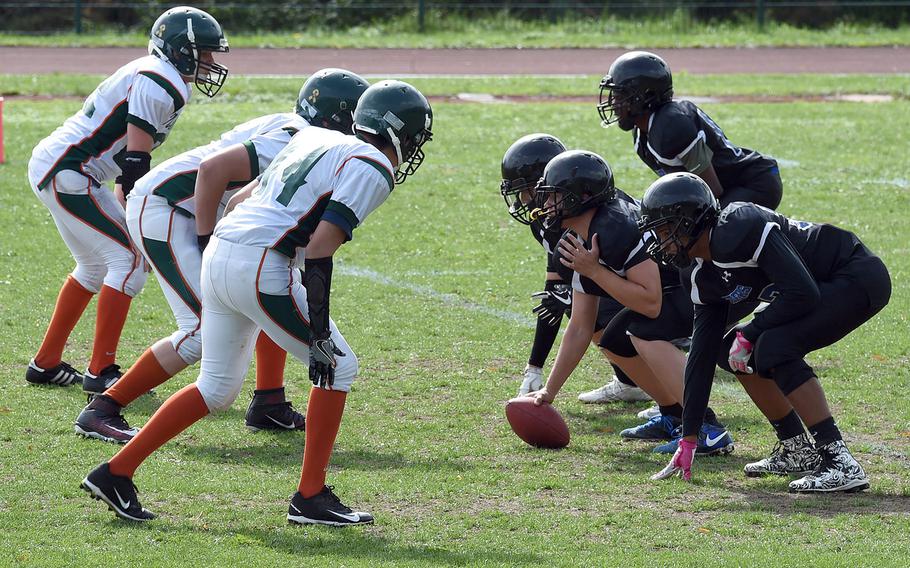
433 296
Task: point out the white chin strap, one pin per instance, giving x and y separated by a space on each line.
191 36
397 143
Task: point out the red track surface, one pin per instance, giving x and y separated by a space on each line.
479 61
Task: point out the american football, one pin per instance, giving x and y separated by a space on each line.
540 426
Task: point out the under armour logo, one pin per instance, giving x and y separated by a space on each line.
725 276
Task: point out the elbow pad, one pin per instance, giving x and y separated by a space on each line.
133 166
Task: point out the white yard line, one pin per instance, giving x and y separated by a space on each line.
442 297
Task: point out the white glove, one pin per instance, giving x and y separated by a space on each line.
740 352
533 380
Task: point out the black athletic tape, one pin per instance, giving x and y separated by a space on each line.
133 166
317 278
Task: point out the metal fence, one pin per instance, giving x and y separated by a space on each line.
21 16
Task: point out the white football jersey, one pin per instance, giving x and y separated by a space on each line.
264 137
147 92
321 174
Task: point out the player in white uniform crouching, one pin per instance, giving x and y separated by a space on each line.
310 199
128 115
171 214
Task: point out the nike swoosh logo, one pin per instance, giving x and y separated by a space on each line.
565 301
289 426
124 504
353 517
712 441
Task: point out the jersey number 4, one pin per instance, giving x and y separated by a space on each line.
294 175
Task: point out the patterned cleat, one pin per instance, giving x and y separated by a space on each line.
532 381
614 391
838 471
62 375
325 508
117 491
649 413
793 456
96 384
270 411
102 420
713 440
658 428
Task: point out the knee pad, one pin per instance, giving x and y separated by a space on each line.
218 395
188 344
127 275
345 372
90 276
791 375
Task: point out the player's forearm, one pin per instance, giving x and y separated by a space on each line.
571 350
210 187
642 299
707 333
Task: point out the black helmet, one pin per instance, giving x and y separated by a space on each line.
637 82
179 34
522 168
401 116
682 203
328 99
578 180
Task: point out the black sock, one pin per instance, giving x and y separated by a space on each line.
825 432
788 426
674 410
711 418
623 378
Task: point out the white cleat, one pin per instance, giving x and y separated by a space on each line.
614 391
649 413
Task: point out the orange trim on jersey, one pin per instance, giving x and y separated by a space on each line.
304 216
70 147
377 162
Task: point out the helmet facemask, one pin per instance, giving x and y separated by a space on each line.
519 197
680 231
408 149
209 77
565 204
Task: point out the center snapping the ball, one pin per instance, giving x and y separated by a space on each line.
540 426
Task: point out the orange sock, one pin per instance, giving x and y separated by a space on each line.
323 417
113 307
144 375
270 360
71 303
177 414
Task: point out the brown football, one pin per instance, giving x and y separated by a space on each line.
540 426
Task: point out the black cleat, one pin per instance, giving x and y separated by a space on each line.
102 420
270 411
62 375
324 508
96 384
117 491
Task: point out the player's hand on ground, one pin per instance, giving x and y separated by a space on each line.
322 362
580 259
553 303
740 352
542 396
680 463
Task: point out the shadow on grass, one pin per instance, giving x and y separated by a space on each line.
352 543
284 449
818 505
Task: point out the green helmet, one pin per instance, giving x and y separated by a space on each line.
328 99
397 112
180 34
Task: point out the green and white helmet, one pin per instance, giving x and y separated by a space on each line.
180 34
399 114
328 99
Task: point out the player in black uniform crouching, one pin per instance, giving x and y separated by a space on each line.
602 255
821 282
675 135
522 166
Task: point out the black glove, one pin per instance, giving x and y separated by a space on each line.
555 301
322 362
202 241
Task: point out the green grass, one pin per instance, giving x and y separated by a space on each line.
424 445
275 90
491 31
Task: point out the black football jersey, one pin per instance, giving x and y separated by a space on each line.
756 254
621 244
675 131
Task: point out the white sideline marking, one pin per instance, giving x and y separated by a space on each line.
446 299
